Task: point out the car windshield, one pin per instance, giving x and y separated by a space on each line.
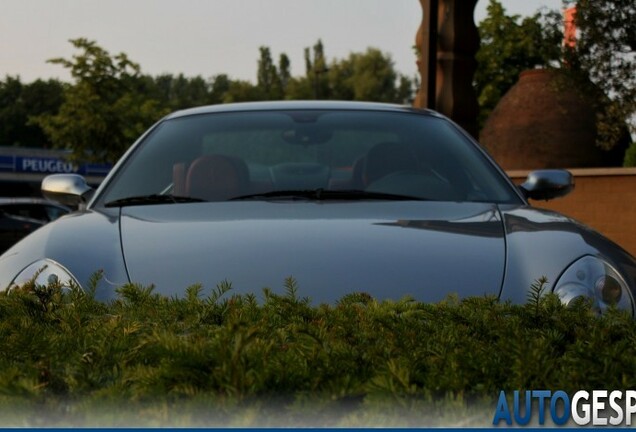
306 154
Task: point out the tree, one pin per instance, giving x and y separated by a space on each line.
373 76
219 86
179 92
18 102
299 88
11 114
316 70
605 54
366 76
341 77
110 102
510 45
406 89
600 66
242 91
630 156
106 108
267 77
284 74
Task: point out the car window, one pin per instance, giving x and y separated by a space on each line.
220 156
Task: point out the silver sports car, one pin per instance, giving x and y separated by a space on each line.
344 197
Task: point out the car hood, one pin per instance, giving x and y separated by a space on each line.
425 250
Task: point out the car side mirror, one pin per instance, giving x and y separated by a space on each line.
67 189
547 184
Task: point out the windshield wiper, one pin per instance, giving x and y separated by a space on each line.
322 194
151 199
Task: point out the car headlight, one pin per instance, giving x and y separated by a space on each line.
594 279
45 272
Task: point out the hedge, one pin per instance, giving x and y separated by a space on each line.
213 358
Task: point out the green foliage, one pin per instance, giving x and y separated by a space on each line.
178 92
600 67
361 76
367 76
267 77
210 358
510 45
18 102
111 103
605 53
630 156
105 110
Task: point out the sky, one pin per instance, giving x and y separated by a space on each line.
210 37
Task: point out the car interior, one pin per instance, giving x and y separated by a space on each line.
219 158
384 168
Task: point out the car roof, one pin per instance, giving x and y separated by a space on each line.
301 105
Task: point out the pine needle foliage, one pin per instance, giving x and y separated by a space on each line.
216 358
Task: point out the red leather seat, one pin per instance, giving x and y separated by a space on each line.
217 178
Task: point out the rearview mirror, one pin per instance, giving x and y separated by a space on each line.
547 184
67 189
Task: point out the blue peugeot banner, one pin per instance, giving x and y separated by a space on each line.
50 165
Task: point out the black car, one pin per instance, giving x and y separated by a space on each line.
21 216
